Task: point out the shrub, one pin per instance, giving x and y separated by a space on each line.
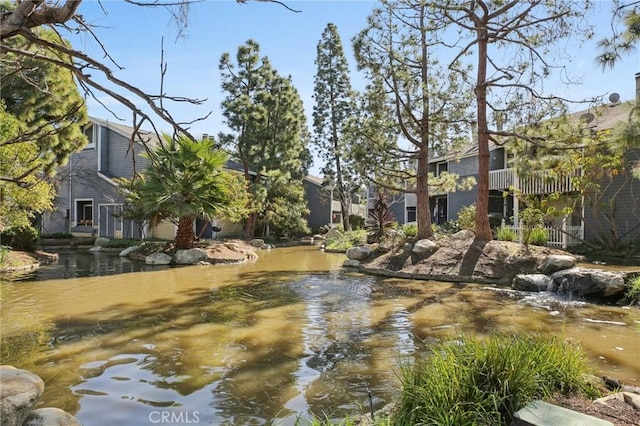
4 253
356 222
633 292
57 235
24 238
347 240
467 217
120 243
485 382
537 237
506 234
410 229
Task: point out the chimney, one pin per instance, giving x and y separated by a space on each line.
638 86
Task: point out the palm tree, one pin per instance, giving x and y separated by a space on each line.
186 180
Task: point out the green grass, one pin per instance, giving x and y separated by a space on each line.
506 234
486 381
347 240
633 292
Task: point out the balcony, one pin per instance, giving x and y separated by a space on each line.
543 182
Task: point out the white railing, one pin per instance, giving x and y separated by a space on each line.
562 238
540 182
502 179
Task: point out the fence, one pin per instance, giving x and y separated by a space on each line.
558 237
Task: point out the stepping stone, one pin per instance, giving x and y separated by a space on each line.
540 413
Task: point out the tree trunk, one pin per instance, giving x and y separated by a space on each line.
483 229
423 215
185 235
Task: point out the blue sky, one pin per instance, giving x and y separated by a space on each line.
132 36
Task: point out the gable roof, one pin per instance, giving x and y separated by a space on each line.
127 131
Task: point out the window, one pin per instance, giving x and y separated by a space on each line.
441 167
411 214
91 132
84 212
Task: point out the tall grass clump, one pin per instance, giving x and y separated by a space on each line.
633 291
347 240
486 381
506 234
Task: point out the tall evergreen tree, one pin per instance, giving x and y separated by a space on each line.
411 96
268 126
334 105
513 42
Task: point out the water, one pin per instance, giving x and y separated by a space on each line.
118 342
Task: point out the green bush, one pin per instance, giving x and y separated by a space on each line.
347 240
495 220
467 217
633 292
410 229
121 243
4 253
506 234
536 236
57 235
356 222
485 382
24 238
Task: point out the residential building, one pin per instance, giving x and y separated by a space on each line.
622 192
324 206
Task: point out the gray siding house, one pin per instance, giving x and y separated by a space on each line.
324 208
88 202
621 191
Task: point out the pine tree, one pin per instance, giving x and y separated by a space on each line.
333 107
268 127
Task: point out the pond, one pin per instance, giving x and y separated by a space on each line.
270 342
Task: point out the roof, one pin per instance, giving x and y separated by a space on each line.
314 179
127 131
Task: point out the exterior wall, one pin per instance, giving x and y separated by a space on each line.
465 167
460 199
164 230
318 203
624 190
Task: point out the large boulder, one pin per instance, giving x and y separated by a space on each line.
465 234
189 256
586 282
19 393
556 262
100 241
158 259
50 417
358 252
531 282
351 263
424 247
257 242
126 252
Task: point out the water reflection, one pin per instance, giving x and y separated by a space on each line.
289 335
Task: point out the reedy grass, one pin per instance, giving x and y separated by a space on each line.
484 382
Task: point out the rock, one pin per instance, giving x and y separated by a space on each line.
531 282
424 247
588 282
256 242
351 263
190 256
100 241
232 246
554 263
126 252
318 237
19 392
50 417
158 259
332 233
358 253
632 399
95 249
465 234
